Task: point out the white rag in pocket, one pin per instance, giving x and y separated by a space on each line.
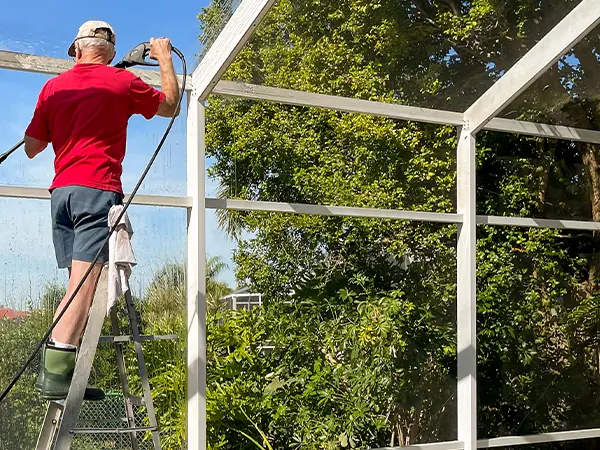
121 259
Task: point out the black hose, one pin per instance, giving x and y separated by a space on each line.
87 273
13 149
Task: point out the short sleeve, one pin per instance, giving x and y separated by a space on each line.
145 99
39 127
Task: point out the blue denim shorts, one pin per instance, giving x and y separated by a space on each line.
80 223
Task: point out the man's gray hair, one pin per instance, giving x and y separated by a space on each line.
97 45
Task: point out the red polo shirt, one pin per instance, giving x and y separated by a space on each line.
84 113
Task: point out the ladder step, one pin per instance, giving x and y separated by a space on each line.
134 399
162 337
111 430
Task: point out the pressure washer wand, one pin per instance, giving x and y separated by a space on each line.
137 57
3 156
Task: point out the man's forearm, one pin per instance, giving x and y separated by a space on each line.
168 83
34 146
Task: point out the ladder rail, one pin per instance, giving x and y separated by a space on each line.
46 437
142 367
123 377
83 366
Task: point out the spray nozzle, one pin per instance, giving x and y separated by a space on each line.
136 57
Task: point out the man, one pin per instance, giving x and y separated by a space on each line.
84 113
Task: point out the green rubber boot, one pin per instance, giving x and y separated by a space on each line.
56 374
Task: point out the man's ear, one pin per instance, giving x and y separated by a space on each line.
77 53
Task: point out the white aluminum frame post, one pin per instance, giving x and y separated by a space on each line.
196 276
226 47
466 284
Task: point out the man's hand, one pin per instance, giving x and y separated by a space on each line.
160 49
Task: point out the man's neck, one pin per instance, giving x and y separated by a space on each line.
92 60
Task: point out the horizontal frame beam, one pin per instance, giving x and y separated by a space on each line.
54 66
543 130
25 62
559 436
140 199
399 112
337 103
129 338
529 222
320 210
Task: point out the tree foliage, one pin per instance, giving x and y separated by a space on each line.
374 300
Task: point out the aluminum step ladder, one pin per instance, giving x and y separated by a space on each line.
60 424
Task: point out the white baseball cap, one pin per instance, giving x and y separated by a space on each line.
94 28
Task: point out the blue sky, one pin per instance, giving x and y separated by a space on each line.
47 28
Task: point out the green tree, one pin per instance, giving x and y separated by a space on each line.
215 289
22 412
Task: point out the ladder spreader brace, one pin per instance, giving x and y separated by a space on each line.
60 423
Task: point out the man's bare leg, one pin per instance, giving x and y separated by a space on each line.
72 325
59 356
